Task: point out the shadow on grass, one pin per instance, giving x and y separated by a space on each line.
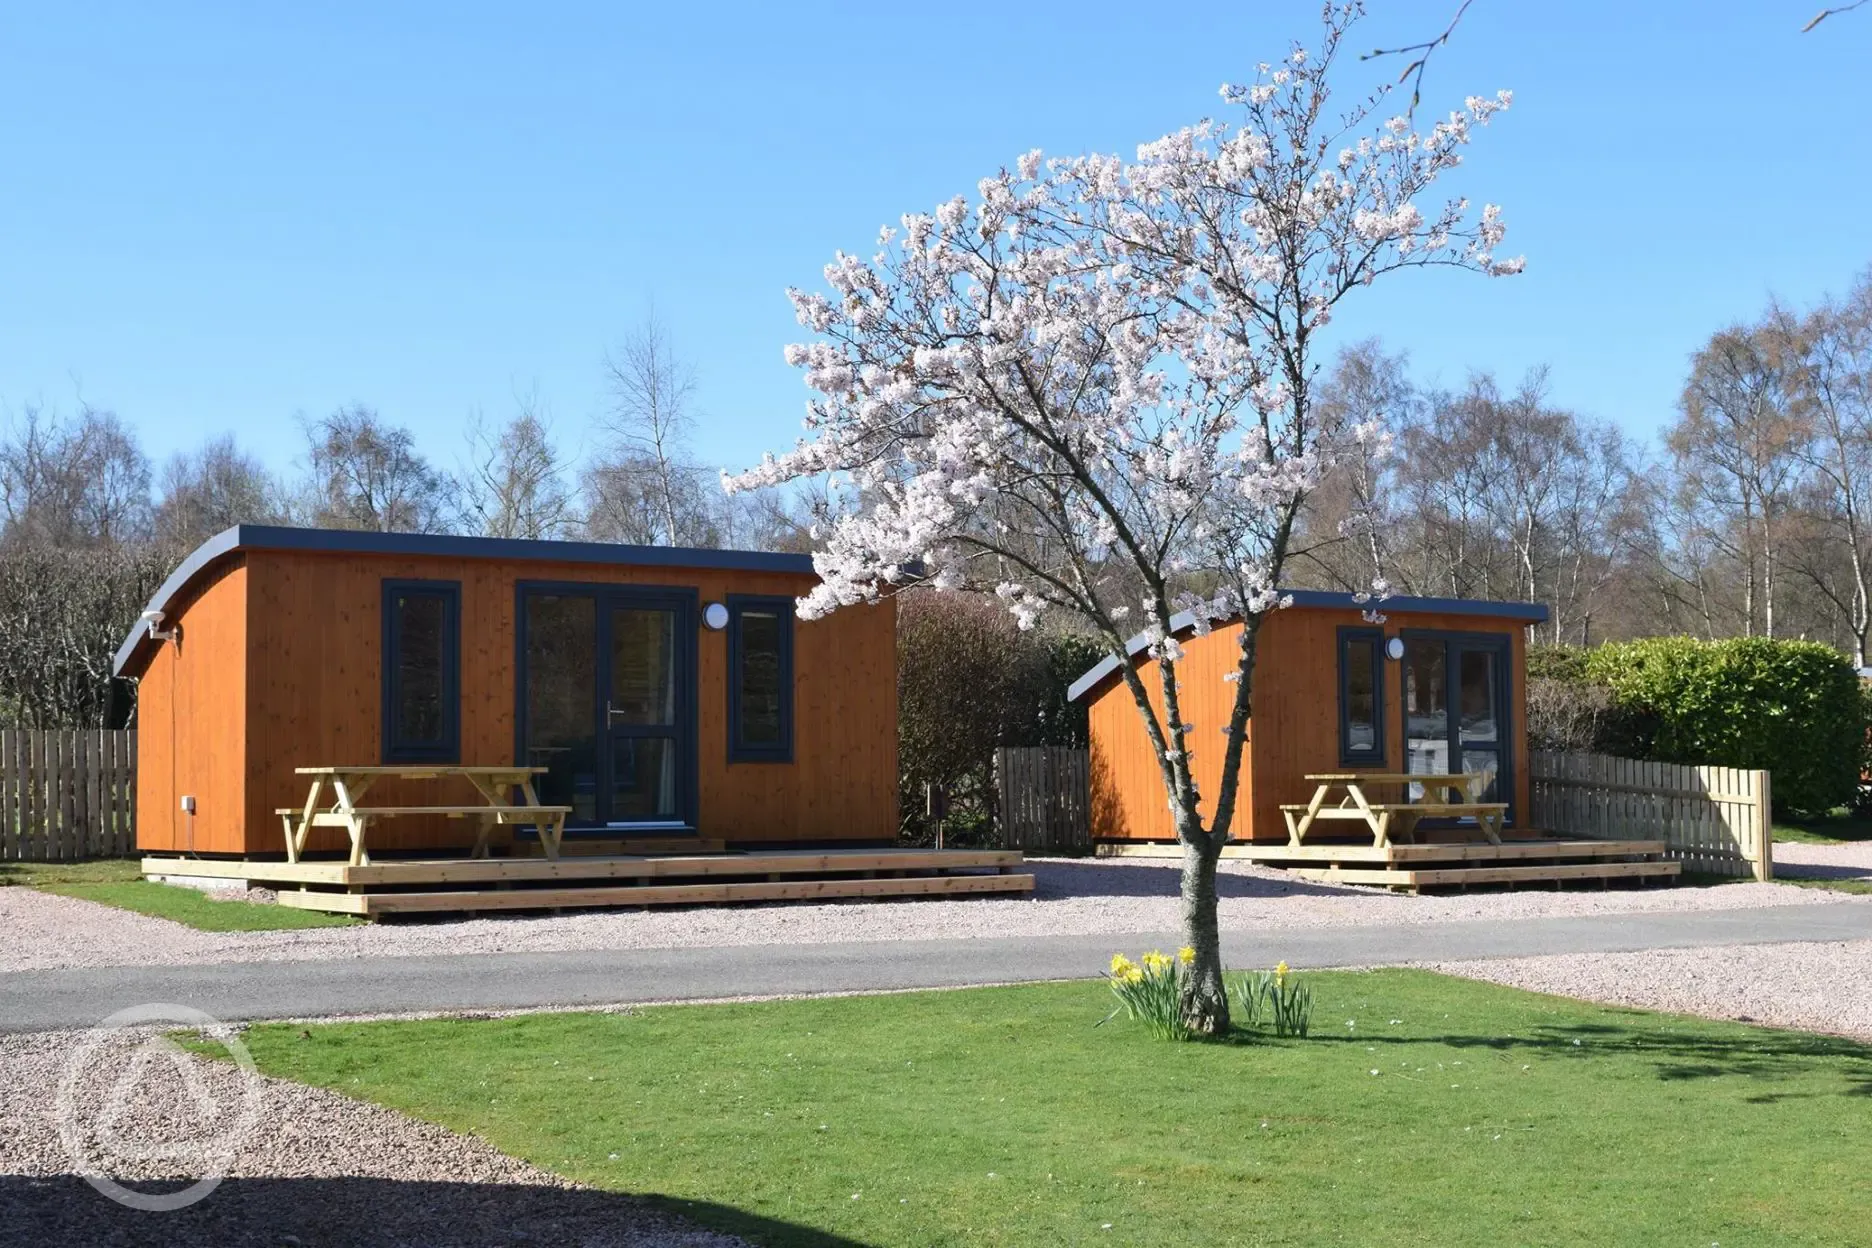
83 871
63 1211
1765 1054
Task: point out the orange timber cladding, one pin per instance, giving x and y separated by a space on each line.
1296 724
280 665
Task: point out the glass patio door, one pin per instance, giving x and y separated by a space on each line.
1455 708
641 720
607 697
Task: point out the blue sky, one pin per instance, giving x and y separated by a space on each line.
217 217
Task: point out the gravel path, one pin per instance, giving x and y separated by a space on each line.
1073 897
1816 987
1850 861
316 1169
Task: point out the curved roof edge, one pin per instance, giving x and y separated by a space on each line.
347 541
1184 621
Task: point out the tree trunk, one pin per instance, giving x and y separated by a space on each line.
1205 997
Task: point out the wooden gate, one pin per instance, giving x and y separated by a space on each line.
1044 797
67 793
1712 819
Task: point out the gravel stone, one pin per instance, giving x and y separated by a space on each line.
1821 986
1072 897
1799 860
316 1169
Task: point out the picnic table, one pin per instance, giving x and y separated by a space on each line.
1390 820
507 796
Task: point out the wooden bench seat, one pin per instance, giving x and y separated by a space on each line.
1439 809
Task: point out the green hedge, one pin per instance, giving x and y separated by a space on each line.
1793 708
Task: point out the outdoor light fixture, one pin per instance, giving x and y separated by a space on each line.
157 632
715 616
1395 647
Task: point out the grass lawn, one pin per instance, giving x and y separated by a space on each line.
118 882
1837 829
1862 887
90 871
1424 1110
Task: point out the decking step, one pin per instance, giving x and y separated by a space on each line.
1447 877
580 869
1363 852
371 904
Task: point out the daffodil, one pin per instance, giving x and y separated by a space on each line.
1187 954
1134 976
1120 964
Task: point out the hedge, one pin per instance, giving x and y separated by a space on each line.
968 681
1793 708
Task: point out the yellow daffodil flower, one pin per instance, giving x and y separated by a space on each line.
1187 954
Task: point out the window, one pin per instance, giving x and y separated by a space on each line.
760 679
1361 697
421 671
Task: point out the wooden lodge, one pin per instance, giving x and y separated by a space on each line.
537 723
1385 748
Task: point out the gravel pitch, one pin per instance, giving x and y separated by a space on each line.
315 1169
1820 986
1073 897
1797 859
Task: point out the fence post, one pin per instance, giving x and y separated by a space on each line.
1764 820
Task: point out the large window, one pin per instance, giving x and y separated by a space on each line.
760 679
421 671
1361 697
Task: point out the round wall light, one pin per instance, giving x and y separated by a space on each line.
715 616
1395 647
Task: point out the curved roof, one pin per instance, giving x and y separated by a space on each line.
211 553
1183 621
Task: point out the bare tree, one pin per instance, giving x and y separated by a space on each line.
205 491
1832 393
652 391
63 612
79 483
514 483
1351 527
366 474
1737 443
629 497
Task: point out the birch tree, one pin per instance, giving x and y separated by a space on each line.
1092 388
652 390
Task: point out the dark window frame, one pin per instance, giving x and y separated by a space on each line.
1508 741
1374 638
448 749
782 751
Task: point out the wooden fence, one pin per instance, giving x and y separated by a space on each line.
1044 797
1712 819
67 793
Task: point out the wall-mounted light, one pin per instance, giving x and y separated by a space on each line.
1394 648
715 616
157 632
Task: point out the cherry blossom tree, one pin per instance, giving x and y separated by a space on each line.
1091 390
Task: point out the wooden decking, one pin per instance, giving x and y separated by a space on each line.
430 885
1447 864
